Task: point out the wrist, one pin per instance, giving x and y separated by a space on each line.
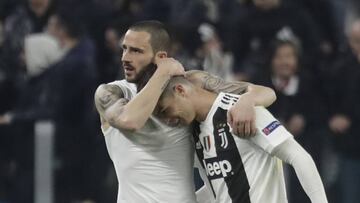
162 74
162 71
248 98
162 78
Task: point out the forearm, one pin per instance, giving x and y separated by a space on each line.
115 108
137 111
133 114
259 95
292 153
256 94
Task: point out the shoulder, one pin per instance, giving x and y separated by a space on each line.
125 86
105 88
106 95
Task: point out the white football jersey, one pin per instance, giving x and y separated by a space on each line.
153 164
240 170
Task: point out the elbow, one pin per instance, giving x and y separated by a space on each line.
124 123
131 125
265 96
272 96
304 160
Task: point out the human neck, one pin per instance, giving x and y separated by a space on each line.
203 101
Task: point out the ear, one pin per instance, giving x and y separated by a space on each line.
160 55
179 89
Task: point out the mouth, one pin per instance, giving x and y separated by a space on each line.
128 69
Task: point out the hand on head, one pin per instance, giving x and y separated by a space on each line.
169 66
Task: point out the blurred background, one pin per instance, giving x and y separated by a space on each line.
54 53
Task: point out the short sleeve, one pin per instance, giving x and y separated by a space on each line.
128 89
270 132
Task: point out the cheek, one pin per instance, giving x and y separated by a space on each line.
188 113
142 64
144 59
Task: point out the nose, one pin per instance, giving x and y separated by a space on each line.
125 57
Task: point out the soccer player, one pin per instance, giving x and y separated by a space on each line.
153 161
234 169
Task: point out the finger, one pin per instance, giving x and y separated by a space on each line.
235 127
253 129
241 129
230 119
247 128
236 130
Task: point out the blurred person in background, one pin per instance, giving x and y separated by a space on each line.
7 7
215 60
17 125
298 105
343 89
260 24
26 17
126 13
29 17
70 85
64 95
110 71
324 14
40 52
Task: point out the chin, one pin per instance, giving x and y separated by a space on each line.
131 79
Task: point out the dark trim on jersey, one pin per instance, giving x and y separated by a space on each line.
236 180
230 96
225 102
200 152
227 99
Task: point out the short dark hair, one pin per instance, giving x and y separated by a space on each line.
159 35
169 89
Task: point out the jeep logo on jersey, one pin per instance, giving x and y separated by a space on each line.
217 169
271 127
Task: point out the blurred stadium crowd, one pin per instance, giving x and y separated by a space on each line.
54 53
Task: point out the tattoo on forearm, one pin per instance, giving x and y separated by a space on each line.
212 83
216 84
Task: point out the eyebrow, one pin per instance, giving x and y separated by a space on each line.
133 48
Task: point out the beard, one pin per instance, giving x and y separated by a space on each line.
145 75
